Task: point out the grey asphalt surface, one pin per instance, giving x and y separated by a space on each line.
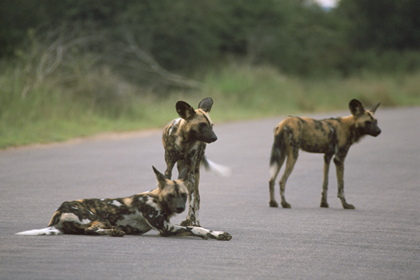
378 240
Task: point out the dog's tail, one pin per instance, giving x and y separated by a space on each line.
277 154
219 169
43 231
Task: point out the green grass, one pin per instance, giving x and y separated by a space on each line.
58 108
263 91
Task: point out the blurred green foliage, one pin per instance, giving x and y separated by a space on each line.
188 36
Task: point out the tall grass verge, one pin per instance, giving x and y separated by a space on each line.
87 101
253 92
60 108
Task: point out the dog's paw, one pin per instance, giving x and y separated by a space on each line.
284 204
116 233
220 235
273 203
225 236
348 206
324 204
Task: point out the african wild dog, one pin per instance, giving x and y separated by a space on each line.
184 140
331 137
136 214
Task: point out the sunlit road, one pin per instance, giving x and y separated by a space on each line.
378 240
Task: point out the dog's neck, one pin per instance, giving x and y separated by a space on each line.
185 138
355 134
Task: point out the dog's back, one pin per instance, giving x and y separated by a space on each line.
310 135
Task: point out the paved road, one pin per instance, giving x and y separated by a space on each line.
378 240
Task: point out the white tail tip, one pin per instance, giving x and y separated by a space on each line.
219 169
44 231
274 170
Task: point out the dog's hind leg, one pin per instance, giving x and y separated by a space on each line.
324 193
101 228
274 171
277 160
278 155
292 155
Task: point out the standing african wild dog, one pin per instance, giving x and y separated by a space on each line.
184 140
331 137
136 214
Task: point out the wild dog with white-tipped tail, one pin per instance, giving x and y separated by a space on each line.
184 140
136 214
331 137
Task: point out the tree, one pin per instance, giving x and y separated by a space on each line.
382 24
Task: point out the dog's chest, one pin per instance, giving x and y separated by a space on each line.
145 208
178 145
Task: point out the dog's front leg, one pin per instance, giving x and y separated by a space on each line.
176 230
196 202
193 178
339 164
193 201
324 194
160 222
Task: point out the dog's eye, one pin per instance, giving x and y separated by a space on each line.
368 122
203 125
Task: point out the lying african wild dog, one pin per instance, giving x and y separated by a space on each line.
184 140
136 214
331 137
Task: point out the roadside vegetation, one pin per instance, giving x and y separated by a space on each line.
80 68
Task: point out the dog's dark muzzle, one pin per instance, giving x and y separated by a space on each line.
211 140
208 137
179 210
376 132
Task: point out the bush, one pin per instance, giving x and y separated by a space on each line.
395 62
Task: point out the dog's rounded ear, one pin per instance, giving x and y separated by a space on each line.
356 107
373 110
160 178
185 110
206 104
